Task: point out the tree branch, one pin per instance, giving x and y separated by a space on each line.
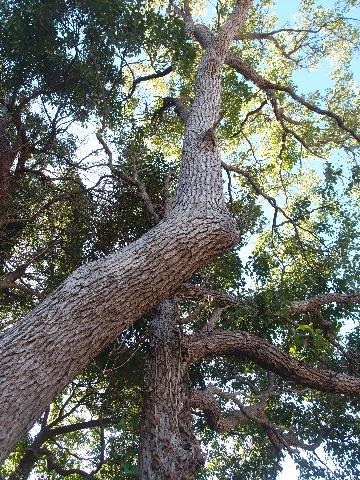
240 66
206 401
133 181
151 76
179 108
194 292
52 465
314 303
35 450
225 422
209 345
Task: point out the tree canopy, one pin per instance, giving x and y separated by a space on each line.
259 347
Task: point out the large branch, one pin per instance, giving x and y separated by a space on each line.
205 37
208 345
44 351
216 418
224 422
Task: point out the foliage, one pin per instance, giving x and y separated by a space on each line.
71 69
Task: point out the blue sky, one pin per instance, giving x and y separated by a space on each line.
308 81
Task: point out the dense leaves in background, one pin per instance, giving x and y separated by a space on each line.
90 139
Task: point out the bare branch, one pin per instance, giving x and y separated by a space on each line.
117 172
282 118
262 193
52 465
35 450
75 427
221 422
9 280
269 37
272 201
22 287
151 76
224 422
248 115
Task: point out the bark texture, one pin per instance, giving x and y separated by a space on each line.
45 350
218 343
169 448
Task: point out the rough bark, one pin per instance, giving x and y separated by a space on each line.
205 37
45 350
250 346
168 447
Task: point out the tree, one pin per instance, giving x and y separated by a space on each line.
82 63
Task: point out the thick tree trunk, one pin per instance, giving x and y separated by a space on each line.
45 350
168 447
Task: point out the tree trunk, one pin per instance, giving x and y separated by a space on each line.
168 447
43 352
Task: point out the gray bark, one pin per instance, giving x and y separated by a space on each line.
45 350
